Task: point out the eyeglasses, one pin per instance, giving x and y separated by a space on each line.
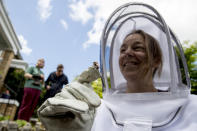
60 71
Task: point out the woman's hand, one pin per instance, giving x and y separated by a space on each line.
74 107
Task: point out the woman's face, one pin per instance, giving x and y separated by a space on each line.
133 56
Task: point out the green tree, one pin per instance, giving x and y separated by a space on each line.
15 79
97 86
190 52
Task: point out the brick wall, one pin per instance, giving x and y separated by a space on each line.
7 56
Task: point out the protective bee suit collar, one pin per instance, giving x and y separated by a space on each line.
142 110
184 120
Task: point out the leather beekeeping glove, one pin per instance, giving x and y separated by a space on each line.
73 109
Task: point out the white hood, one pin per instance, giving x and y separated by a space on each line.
155 108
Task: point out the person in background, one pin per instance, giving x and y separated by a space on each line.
32 89
6 94
55 82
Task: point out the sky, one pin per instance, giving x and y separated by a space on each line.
68 31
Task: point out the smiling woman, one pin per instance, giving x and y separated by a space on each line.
140 57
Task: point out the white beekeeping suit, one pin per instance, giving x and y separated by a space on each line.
173 108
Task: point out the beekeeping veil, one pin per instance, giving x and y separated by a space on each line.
124 20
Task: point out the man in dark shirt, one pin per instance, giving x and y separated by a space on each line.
55 82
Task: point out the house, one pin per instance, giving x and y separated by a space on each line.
9 47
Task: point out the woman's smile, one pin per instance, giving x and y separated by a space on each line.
132 54
127 64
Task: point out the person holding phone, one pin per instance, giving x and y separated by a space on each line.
32 89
